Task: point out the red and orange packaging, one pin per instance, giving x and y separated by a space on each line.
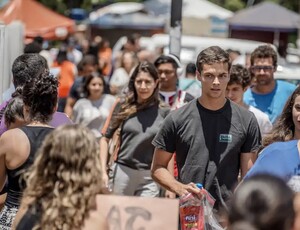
196 212
192 212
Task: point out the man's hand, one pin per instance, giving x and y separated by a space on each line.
184 189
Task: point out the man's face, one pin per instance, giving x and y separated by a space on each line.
167 77
214 79
263 71
89 69
235 92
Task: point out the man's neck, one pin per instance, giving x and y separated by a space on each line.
264 89
171 89
212 103
241 103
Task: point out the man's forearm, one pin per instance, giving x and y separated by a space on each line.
162 176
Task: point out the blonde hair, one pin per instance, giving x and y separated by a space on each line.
65 178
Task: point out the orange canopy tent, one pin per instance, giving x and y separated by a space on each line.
38 19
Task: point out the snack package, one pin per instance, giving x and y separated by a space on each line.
196 212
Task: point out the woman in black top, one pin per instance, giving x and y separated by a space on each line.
63 182
139 115
19 145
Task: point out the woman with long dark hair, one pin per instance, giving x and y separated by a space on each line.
139 115
287 127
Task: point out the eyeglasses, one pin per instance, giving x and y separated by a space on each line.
266 68
166 72
147 83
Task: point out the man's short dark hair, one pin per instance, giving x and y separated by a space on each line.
190 68
239 75
264 51
163 59
33 47
27 66
210 55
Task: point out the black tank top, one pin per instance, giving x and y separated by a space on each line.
16 185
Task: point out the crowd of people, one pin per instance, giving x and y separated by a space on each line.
236 131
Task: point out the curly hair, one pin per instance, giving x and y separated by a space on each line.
65 178
14 111
40 95
130 105
264 51
26 67
239 75
284 128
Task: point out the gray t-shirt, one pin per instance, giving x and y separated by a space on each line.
209 143
136 150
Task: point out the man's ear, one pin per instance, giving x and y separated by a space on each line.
245 89
198 75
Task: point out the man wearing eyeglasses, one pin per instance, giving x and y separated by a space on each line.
267 94
213 137
169 69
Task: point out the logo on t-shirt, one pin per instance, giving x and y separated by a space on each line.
225 138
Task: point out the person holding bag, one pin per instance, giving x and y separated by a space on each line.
138 115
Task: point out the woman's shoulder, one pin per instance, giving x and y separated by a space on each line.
82 102
109 97
13 140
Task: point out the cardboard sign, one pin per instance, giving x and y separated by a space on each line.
137 213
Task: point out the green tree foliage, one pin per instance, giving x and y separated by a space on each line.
234 5
59 6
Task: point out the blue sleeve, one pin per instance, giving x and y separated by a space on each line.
263 164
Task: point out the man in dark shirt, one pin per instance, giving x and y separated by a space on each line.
214 138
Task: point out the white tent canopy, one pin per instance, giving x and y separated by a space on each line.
190 8
199 17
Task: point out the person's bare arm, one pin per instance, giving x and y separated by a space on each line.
161 175
169 194
247 161
69 106
2 161
103 161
